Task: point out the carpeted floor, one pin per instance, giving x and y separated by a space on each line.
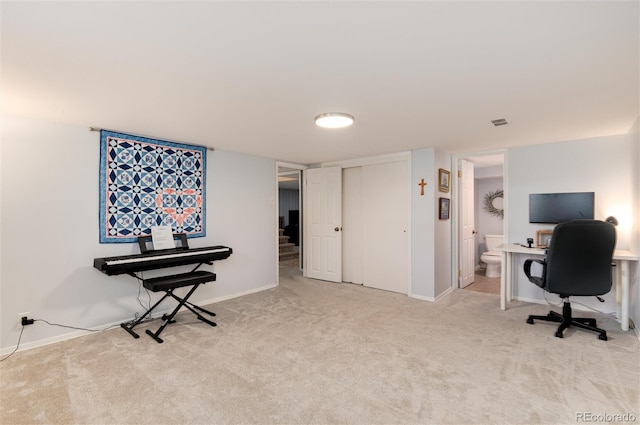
311 352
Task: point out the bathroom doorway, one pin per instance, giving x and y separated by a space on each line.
481 220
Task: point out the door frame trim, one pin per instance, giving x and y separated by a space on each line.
369 160
455 214
299 167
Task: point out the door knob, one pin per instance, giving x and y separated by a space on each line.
337 229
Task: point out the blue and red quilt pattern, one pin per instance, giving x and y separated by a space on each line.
147 182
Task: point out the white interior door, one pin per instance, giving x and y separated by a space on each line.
323 238
385 222
467 224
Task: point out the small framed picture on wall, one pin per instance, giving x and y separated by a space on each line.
543 237
443 180
443 211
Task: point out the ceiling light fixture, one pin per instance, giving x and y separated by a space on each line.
334 120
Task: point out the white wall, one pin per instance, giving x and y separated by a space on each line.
443 232
599 165
430 237
49 229
493 171
423 216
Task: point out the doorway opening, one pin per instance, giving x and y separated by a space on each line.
481 220
289 213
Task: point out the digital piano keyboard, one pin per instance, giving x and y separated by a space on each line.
151 260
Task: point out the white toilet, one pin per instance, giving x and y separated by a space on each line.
492 257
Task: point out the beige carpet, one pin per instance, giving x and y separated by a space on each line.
310 352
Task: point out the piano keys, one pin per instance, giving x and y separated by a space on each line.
151 260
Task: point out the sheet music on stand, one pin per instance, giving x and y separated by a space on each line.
162 237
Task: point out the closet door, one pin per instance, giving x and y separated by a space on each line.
352 225
385 226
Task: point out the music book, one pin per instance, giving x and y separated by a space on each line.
162 237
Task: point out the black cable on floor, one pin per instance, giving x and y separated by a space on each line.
17 345
54 324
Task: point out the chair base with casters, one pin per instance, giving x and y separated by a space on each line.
566 320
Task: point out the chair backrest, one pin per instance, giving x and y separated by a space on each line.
579 258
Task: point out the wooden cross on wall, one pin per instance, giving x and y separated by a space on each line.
422 184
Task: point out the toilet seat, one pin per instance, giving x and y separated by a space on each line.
490 256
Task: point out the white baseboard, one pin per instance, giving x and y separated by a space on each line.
445 293
430 299
422 297
59 338
72 335
238 294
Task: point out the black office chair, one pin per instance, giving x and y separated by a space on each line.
578 263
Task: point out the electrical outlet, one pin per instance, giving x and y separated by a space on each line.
24 319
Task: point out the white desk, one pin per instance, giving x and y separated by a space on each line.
621 272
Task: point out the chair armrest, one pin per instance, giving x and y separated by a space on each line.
538 280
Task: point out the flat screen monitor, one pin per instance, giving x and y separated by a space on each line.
560 207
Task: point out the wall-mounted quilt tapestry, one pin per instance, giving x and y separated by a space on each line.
147 182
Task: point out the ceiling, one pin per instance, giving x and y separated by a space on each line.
249 77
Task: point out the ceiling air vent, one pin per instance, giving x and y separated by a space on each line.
499 122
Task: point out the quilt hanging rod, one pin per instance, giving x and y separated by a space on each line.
209 148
